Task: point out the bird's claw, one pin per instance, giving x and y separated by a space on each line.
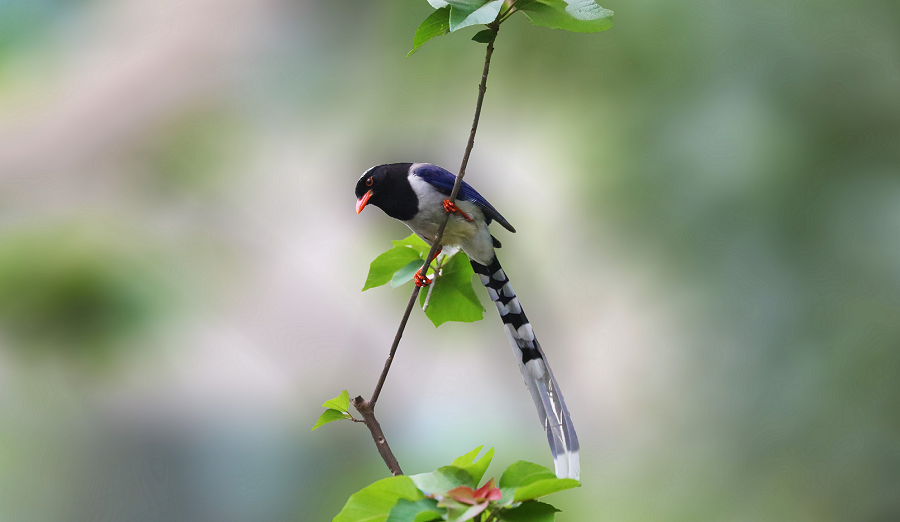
420 279
451 207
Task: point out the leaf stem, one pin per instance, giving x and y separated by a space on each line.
506 14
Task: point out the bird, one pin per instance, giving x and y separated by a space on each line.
418 195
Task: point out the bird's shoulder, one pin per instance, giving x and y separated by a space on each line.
443 181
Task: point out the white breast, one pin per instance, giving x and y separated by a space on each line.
472 236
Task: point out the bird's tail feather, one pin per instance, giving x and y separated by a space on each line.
533 363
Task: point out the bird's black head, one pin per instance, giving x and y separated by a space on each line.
387 187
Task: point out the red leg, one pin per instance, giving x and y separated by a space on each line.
420 279
451 207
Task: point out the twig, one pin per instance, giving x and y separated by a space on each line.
367 408
440 234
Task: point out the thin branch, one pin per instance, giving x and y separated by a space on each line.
482 88
367 408
399 334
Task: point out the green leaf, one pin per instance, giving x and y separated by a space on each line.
340 403
437 24
459 512
415 242
532 480
464 13
329 416
522 473
451 296
406 273
544 487
422 510
382 269
476 469
374 502
579 16
485 36
443 480
509 494
532 511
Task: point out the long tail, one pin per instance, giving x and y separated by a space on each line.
533 363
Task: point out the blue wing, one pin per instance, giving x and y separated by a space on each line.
443 181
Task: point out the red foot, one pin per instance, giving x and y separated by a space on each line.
451 207
421 280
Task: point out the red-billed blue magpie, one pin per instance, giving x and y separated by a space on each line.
417 194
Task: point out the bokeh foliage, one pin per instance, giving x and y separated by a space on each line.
65 291
740 156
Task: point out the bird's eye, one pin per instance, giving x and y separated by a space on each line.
369 182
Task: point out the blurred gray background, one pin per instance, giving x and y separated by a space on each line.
708 205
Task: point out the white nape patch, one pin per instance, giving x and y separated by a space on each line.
499 275
514 306
508 291
493 294
484 279
536 368
526 333
501 308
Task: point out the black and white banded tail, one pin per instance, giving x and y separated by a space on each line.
539 378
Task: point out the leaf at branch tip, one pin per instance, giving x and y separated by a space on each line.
443 479
464 13
422 510
383 267
437 24
461 512
329 415
339 403
532 480
579 16
522 473
531 511
374 502
452 297
475 468
544 487
485 36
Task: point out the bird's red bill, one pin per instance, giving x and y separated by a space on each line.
362 201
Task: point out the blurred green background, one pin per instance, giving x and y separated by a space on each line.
707 200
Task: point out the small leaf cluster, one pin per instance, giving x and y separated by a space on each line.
450 297
338 409
579 16
450 493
